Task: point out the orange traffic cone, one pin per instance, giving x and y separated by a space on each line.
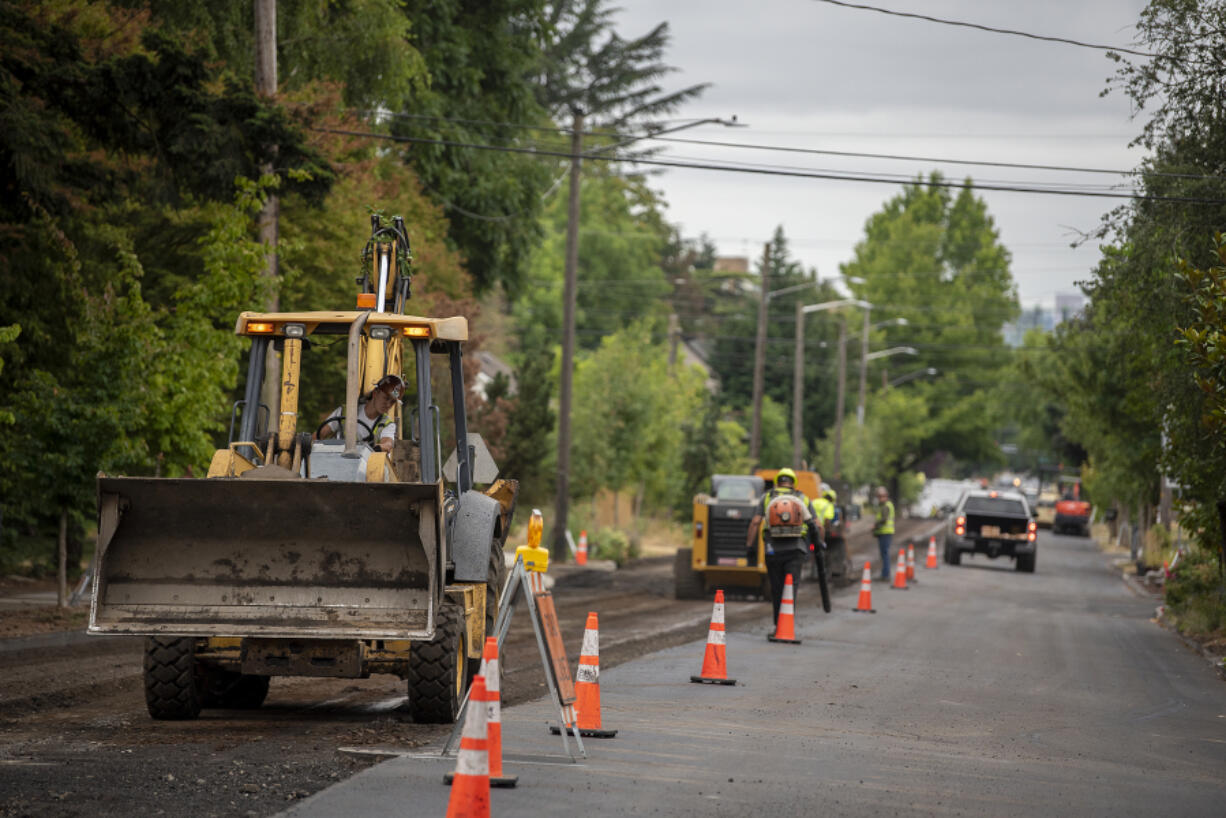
865 604
911 562
490 671
785 627
931 562
581 551
470 793
900 573
587 686
714 668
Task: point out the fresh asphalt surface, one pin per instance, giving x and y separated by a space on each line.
977 691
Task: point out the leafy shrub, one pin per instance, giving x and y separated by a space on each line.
611 544
1196 594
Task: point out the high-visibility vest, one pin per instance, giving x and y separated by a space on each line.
823 509
885 518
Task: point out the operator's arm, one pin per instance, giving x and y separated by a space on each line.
327 430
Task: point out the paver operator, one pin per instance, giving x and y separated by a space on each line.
883 530
824 508
790 530
375 425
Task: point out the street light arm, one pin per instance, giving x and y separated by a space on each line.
652 134
830 305
791 289
910 376
892 351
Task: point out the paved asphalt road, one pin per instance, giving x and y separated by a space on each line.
978 691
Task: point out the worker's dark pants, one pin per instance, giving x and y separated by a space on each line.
778 566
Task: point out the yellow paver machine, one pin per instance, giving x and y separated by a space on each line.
300 556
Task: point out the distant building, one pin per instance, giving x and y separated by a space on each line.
491 367
1069 305
1035 317
732 264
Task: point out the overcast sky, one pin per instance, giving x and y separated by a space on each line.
808 74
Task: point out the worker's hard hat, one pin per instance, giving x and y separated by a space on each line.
392 385
786 473
828 492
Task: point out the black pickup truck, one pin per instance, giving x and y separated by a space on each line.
996 523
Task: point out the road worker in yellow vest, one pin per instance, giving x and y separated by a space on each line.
789 529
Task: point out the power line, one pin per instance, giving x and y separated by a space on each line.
991 29
790 149
933 159
769 172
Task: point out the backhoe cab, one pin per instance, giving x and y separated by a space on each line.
303 557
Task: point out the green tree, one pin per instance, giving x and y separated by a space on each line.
531 421
936 261
622 236
629 414
121 150
482 60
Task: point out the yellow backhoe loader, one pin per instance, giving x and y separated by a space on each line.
305 557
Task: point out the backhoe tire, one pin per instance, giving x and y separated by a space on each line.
173 683
438 670
495 579
230 690
687 583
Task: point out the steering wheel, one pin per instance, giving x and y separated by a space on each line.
341 419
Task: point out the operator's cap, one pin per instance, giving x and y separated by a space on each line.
392 385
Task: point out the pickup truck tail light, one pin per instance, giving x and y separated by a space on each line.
960 526
1032 531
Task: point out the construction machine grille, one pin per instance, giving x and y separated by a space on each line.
727 538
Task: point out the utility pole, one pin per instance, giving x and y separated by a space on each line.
841 400
562 507
863 369
759 359
798 376
266 88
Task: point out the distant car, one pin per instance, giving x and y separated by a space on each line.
1045 508
995 523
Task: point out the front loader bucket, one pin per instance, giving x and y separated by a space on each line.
276 558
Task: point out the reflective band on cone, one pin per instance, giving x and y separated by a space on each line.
714 668
587 686
900 573
470 789
785 627
865 604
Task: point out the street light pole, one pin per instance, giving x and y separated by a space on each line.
863 370
842 396
798 383
759 359
798 374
